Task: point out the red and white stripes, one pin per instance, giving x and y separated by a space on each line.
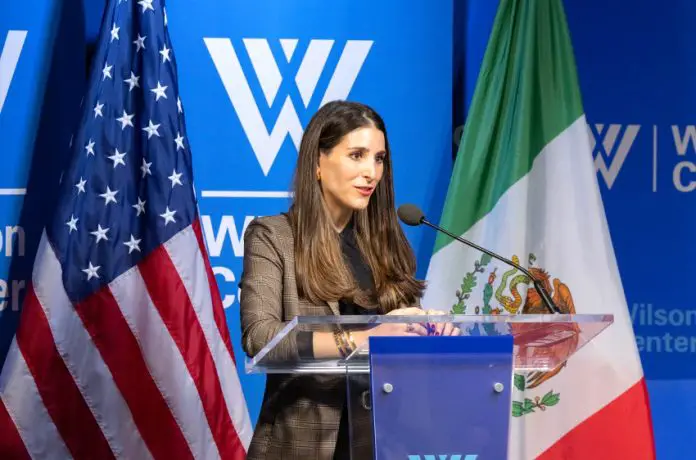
141 369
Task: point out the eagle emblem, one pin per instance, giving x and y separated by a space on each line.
511 292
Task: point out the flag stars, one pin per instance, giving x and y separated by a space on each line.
117 158
159 91
81 186
100 234
151 130
98 110
91 271
175 178
72 223
139 43
168 216
126 120
145 168
90 148
133 244
109 195
105 132
133 81
165 54
146 4
139 207
106 71
114 32
179 141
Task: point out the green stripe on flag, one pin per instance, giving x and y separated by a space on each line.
526 94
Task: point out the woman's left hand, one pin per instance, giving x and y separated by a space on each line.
443 328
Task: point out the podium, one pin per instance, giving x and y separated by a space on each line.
435 397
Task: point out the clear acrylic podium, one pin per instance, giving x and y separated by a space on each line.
433 396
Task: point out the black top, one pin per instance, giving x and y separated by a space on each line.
363 275
360 269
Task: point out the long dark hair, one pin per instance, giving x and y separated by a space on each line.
322 273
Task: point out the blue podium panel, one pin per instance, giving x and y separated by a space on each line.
440 397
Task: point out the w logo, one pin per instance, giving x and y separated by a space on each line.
611 143
9 57
267 142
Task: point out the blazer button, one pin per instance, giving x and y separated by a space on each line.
365 400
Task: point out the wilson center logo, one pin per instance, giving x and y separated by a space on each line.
265 142
611 143
9 57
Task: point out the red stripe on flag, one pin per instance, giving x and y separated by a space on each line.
11 444
622 429
218 310
122 355
61 397
172 301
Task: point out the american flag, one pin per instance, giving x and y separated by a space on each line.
122 349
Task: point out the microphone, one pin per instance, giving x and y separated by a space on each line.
412 215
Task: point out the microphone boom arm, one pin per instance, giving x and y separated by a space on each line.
545 297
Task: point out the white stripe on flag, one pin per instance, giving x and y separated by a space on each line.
186 256
24 404
85 364
164 361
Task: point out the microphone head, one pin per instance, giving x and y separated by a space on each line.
410 214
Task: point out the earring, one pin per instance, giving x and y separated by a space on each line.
318 175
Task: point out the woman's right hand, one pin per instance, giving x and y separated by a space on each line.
395 329
439 328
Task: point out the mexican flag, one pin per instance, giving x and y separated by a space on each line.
524 186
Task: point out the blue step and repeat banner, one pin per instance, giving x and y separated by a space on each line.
252 74
638 80
42 79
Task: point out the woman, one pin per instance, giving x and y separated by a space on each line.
338 250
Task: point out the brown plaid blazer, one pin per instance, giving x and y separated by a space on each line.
300 414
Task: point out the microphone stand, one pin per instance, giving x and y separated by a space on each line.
545 297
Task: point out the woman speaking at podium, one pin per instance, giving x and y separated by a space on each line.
338 250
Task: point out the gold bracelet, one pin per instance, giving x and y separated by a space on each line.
339 343
352 341
346 346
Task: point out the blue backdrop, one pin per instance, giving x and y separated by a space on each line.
283 63
42 78
637 77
